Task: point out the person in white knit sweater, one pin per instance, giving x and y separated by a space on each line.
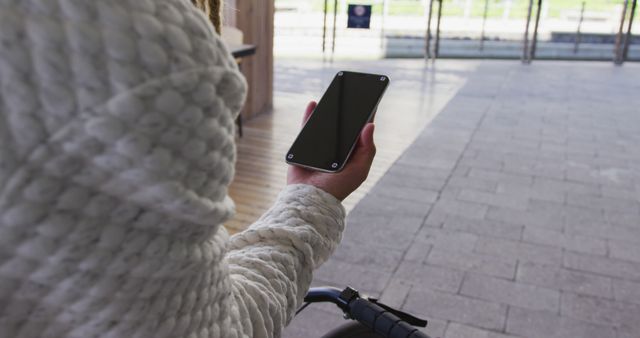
116 151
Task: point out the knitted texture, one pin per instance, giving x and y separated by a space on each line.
116 150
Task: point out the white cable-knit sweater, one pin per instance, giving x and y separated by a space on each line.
116 150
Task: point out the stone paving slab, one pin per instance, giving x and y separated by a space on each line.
515 213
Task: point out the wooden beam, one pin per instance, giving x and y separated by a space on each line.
255 19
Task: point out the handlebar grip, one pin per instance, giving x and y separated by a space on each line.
382 321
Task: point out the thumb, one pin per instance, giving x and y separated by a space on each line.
366 149
307 113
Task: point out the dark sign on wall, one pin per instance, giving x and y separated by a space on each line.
359 16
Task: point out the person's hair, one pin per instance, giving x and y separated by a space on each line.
212 8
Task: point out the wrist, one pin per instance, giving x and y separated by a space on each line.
310 188
335 193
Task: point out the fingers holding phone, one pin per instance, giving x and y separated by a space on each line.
343 183
335 148
364 152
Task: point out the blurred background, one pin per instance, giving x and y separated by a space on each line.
567 29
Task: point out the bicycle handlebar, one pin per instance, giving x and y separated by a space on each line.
382 321
376 316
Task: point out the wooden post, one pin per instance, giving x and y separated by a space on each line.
578 31
324 26
427 51
525 49
627 40
534 40
255 20
437 48
617 58
335 18
484 22
229 13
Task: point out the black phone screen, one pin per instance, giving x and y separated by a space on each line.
327 139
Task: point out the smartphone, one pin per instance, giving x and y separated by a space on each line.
331 133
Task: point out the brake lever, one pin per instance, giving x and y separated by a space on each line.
409 318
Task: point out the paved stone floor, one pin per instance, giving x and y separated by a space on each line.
516 212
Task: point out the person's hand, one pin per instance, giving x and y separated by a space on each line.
345 182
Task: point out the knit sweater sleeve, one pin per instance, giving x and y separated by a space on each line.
116 152
271 263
